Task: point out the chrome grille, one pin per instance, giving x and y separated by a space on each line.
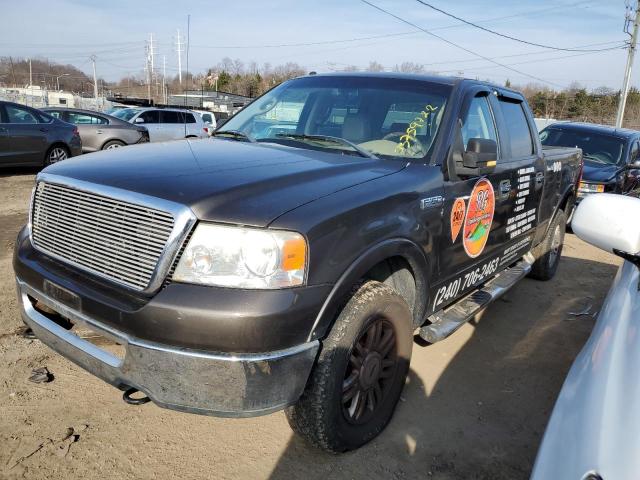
118 240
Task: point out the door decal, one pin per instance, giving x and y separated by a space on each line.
457 217
479 217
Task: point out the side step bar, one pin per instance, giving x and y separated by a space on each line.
446 321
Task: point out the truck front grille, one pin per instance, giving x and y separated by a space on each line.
117 240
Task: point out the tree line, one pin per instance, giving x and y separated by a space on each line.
250 79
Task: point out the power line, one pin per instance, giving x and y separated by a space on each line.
488 30
453 44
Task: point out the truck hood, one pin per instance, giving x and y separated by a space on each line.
598 172
226 180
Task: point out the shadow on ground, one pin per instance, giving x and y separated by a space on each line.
476 405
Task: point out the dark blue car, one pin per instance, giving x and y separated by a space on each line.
608 152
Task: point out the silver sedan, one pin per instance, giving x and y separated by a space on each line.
100 131
594 431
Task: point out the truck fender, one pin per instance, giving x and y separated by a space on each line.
394 247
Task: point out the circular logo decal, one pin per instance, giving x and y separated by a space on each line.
457 217
477 222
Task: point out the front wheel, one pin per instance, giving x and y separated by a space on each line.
56 154
544 268
361 370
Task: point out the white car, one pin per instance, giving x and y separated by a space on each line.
209 120
166 123
594 430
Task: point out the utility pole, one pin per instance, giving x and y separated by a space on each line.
179 50
164 76
30 83
632 50
95 79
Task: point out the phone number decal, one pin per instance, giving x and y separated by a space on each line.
464 282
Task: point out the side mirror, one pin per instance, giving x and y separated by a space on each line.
635 165
481 155
609 222
139 120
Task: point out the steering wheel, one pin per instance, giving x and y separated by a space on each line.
391 135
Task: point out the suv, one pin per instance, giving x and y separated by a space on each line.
31 137
165 123
287 263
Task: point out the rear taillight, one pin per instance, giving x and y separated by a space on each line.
206 130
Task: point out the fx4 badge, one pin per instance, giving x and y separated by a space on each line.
432 202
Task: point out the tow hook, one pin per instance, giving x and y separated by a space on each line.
127 397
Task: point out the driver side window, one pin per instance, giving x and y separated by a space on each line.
479 122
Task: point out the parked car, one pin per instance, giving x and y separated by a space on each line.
31 137
100 131
607 153
594 430
263 271
209 119
165 123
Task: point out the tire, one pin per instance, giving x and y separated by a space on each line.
113 144
544 268
354 365
56 154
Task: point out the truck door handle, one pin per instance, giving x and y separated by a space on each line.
539 178
44 130
99 132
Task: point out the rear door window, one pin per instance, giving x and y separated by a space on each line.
189 117
85 119
171 117
518 127
56 114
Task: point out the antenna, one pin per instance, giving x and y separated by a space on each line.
186 92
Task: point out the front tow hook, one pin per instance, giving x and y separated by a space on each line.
127 397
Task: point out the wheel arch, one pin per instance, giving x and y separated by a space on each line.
57 143
398 253
112 139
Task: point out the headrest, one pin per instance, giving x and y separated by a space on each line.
356 128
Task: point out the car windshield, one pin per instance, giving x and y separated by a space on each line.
126 113
600 148
364 116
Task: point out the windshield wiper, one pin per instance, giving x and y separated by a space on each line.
234 134
328 138
595 159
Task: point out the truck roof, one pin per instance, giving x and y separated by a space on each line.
595 128
440 79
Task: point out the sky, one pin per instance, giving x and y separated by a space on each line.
69 31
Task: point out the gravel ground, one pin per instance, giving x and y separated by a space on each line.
475 406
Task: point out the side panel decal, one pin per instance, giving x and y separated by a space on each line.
479 218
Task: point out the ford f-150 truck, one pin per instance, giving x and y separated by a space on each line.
287 262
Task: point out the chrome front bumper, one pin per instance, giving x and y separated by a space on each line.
220 384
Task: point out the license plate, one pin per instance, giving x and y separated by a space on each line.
62 295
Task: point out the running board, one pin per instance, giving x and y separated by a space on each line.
446 321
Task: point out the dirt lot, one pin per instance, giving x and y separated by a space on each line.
475 407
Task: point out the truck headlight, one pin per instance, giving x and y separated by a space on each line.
243 258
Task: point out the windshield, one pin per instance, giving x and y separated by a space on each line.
126 113
601 148
386 117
